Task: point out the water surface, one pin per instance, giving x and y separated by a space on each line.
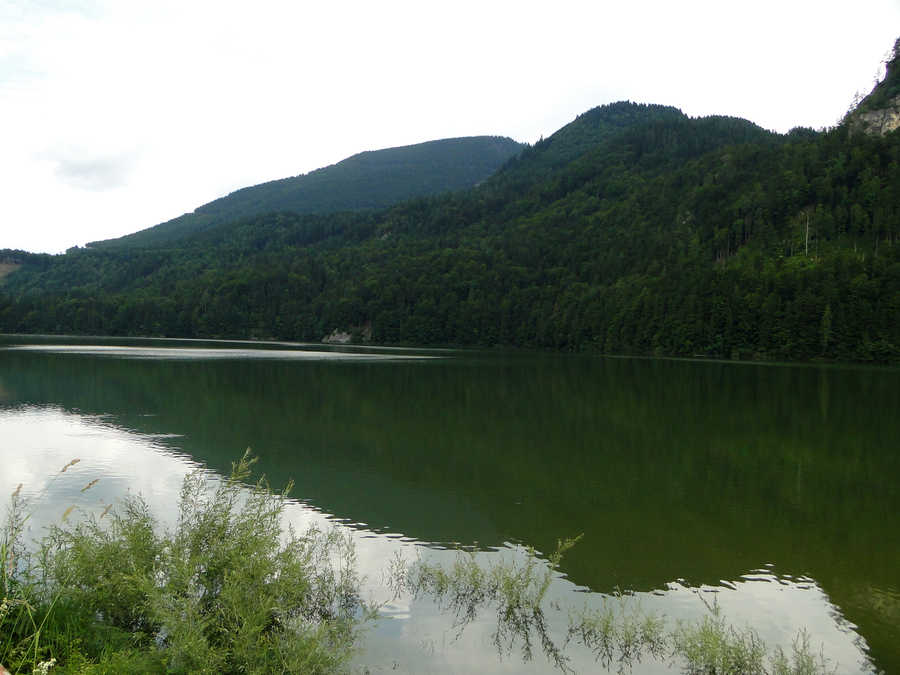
772 488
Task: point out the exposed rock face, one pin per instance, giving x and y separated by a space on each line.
878 122
337 337
344 337
7 266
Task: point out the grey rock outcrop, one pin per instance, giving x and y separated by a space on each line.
878 122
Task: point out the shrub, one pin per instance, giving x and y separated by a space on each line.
227 591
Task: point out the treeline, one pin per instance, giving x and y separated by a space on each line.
668 235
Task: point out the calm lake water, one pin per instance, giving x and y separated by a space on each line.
771 488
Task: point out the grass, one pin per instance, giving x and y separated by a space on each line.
618 632
229 590
712 645
515 590
226 591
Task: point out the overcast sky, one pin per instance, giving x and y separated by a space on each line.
117 115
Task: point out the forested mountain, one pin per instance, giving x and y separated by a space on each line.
368 180
634 229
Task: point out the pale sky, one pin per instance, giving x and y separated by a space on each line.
117 115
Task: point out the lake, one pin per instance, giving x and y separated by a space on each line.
770 488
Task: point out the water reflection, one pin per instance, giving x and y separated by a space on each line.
38 441
413 635
196 353
702 472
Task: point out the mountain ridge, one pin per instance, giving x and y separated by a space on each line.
367 180
658 235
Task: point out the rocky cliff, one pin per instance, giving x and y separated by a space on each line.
879 112
880 121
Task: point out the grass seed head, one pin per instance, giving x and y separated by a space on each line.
72 463
90 485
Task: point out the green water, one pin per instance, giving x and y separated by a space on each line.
680 474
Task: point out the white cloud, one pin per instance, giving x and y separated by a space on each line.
94 173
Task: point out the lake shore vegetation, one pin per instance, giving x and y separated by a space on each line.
230 590
227 590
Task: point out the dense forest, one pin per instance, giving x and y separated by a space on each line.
633 230
368 180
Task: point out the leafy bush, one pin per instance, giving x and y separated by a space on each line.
228 590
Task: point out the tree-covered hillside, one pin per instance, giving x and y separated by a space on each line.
368 180
658 234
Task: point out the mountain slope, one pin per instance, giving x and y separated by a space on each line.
368 180
585 133
660 235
